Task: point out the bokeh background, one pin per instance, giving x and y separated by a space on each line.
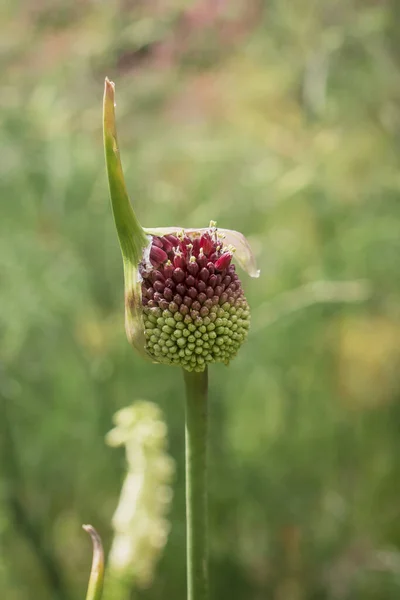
282 120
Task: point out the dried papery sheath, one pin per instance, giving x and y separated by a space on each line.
184 302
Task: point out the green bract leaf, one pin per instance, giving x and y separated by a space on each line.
132 238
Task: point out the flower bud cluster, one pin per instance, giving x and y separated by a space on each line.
195 311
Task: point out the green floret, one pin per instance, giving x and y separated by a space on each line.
193 342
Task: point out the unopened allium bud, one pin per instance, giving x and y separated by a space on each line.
184 302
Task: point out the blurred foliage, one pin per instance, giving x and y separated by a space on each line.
280 119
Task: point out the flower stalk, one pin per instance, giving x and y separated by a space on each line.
196 387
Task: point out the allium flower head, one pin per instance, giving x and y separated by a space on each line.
184 302
195 311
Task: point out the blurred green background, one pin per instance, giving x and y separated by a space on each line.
282 120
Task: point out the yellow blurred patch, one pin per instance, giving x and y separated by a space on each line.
97 335
369 358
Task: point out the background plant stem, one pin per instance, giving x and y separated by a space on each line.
95 588
196 385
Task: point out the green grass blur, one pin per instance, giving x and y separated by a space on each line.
281 120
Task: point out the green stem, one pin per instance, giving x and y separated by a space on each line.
196 385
